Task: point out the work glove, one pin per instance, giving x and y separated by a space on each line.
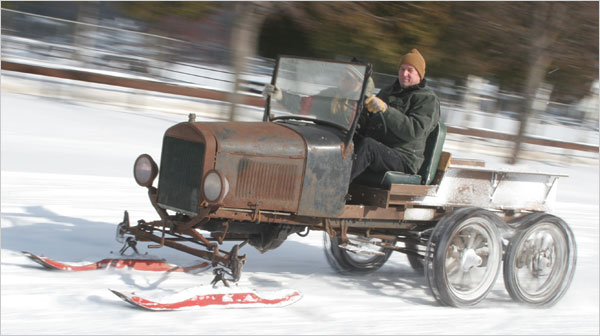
375 105
272 91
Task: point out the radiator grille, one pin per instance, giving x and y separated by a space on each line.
180 174
267 181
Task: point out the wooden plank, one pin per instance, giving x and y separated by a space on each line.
372 212
412 190
467 162
132 83
445 160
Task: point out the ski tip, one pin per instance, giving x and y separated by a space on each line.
293 297
124 297
39 260
119 294
128 299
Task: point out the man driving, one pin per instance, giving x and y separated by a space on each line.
411 110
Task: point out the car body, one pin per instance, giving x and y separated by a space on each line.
259 182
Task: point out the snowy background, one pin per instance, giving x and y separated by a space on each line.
66 178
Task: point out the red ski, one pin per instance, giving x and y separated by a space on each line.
136 264
227 298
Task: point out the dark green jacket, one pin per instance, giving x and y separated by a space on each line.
412 114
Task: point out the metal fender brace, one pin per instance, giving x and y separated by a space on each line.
172 230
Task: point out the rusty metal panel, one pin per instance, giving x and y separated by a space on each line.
181 175
361 194
262 162
196 132
268 180
372 212
327 172
247 215
263 182
257 138
187 153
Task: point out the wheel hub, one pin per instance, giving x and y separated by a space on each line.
542 262
469 259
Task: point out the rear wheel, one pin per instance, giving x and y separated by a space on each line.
463 257
540 260
362 258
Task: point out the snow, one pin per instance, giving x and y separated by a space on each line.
66 177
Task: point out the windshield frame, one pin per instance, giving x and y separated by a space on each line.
349 131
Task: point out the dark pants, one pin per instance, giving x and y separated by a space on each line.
375 156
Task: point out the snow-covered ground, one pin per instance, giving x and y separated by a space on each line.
66 174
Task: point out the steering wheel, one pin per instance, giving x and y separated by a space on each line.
371 123
383 124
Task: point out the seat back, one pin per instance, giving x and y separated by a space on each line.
433 150
432 153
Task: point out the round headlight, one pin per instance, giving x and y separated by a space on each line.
215 186
145 170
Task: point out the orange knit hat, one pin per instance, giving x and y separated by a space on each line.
415 59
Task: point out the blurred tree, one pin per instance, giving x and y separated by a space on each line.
574 67
249 17
509 34
541 31
368 30
515 43
281 35
377 31
518 42
85 30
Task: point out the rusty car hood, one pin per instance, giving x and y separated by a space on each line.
257 138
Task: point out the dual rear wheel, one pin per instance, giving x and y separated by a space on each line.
464 256
540 260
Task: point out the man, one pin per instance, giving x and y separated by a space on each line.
411 110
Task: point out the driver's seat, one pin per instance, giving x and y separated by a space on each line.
425 175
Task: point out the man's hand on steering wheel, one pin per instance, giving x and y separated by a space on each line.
376 106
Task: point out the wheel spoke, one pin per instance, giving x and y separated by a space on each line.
463 284
483 251
470 239
452 267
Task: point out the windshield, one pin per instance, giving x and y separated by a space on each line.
317 90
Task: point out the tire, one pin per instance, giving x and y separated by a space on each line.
540 261
463 257
349 263
417 264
